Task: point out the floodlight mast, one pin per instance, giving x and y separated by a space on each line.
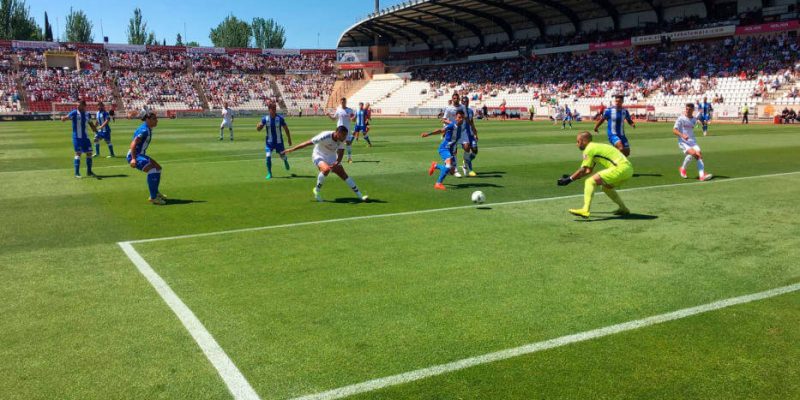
377 8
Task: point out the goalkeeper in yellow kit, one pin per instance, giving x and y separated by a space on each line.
617 170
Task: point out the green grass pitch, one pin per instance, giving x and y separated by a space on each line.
304 309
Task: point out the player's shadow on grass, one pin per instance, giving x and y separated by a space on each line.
610 217
101 177
177 202
490 174
353 200
292 176
641 175
473 185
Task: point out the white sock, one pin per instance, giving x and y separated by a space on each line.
320 180
686 161
352 184
701 167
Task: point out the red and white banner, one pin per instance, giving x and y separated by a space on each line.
705 33
617 44
243 51
87 45
770 27
370 64
319 52
167 49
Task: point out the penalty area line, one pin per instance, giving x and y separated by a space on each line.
432 210
236 382
407 377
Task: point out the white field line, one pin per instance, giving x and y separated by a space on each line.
411 376
432 210
236 382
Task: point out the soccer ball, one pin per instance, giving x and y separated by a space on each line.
478 197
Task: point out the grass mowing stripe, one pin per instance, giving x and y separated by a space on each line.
415 212
419 374
236 382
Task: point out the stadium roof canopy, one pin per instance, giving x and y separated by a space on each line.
442 22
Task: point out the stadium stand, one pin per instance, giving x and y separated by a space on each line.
495 52
239 90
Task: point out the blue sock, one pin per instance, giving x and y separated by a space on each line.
89 165
97 148
111 149
444 170
152 183
366 137
269 165
468 160
77 163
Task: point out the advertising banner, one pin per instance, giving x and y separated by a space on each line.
352 54
617 44
205 50
770 27
138 48
280 52
705 33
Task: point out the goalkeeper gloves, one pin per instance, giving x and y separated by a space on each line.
565 180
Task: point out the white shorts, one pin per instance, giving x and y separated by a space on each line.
686 147
226 124
327 160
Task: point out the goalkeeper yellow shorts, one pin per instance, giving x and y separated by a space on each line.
616 176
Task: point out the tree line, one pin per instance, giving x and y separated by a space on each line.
16 23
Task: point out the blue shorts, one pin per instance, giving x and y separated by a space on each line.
103 135
141 161
705 118
277 147
567 118
82 145
360 128
446 154
614 139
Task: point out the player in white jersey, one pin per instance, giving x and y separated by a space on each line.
558 114
453 107
684 130
327 156
343 115
227 121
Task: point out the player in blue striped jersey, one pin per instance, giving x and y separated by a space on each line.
103 131
705 109
567 118
275 125
137 157
362 116
470 142
452 135
616 117
80 137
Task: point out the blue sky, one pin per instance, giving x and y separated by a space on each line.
303 19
